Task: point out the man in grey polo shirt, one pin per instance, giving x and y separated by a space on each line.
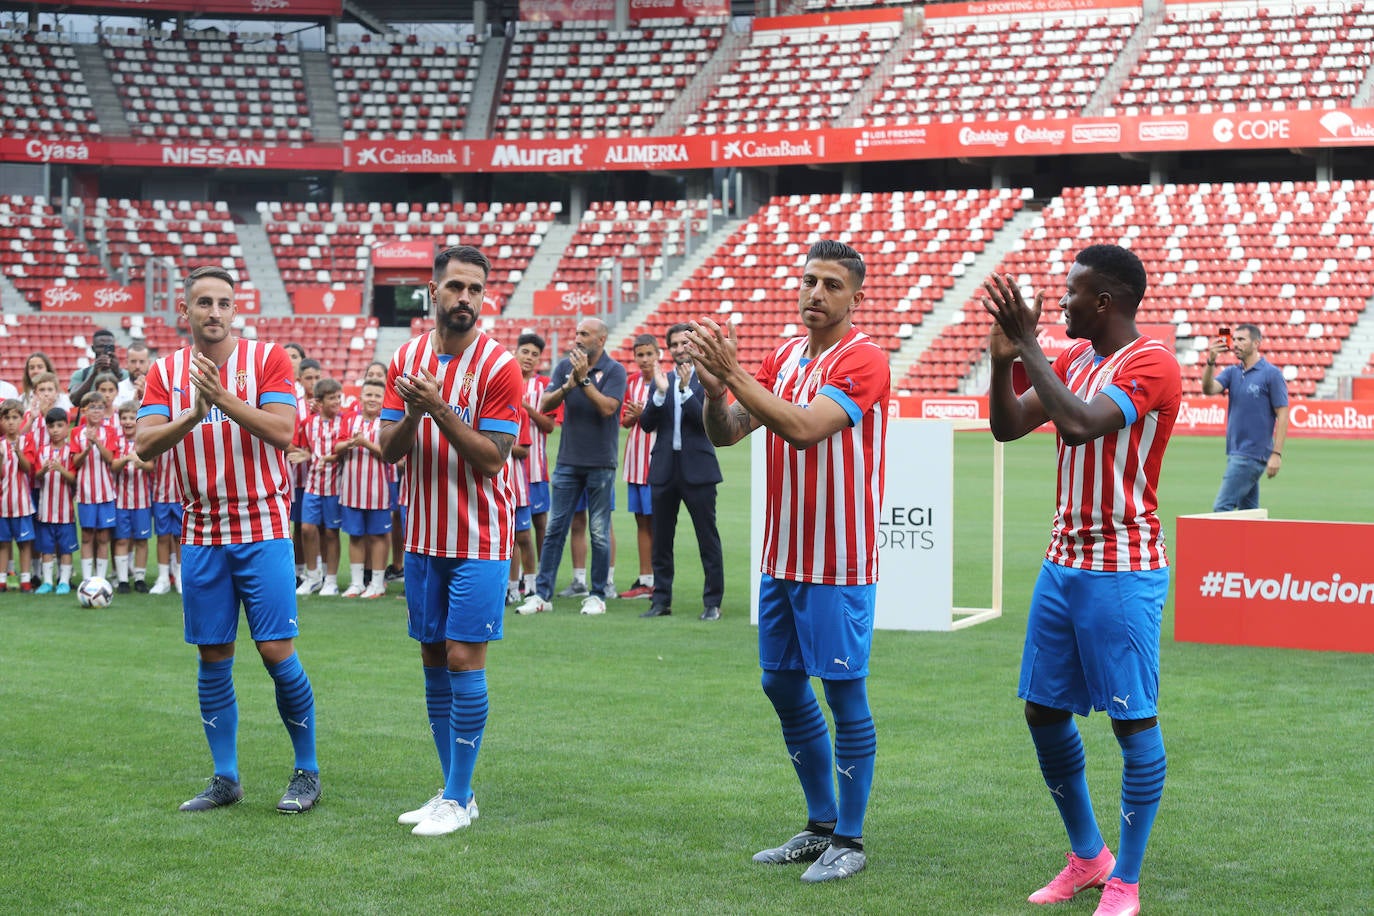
590 386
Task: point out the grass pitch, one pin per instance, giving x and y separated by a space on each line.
633 766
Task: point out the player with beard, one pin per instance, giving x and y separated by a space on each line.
452 408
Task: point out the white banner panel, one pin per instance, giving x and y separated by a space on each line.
916 536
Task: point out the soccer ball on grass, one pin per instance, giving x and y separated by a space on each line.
95 592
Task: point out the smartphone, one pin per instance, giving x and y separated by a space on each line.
1226 334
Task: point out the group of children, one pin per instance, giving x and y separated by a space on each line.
60 468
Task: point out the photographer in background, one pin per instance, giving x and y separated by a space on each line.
106 359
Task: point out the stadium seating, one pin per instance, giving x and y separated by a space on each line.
191 233
568 81
45 92
209 87
344 345
1015 70
914 244
404 89
37 250
628 232
64 338
793 80
1238 57
331 244
1291 257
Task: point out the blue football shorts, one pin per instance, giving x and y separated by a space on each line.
394 488
359 522
167 518
455 598
96 515
58 539
824 630
640 498
16 528
1092 641
133 524
297 499
523 519
216 580
539 497
321 511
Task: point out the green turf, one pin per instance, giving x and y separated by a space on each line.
632 766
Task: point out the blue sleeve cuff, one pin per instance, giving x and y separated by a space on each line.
393 415
277 397
659 397
1123 401
845 401
155 410
499 426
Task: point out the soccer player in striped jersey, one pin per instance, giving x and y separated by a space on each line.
529 350
54 520
823 400
133 504
638 444
365 494
93 448
167 515
320 517
523 554
225 409
452 408
16 496
1092 630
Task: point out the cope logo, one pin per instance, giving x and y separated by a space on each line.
1224 130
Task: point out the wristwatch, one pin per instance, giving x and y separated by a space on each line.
587 380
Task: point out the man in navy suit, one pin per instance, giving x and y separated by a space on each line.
682 469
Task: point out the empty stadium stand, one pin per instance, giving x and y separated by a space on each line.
959 69
1239 57
793 80
403 88
567 81
914 244
628 232
1292 257
331 244
343 344
209 87
45 92
133 231
37 250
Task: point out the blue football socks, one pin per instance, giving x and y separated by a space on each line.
856 747
807 737
219 714
466 723
1142 785
296 703
438 704
1062 763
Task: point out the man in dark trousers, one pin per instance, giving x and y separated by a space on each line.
682 469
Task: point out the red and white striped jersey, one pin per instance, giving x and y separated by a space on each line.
133 485
403 490
94 479
318 436
54 493
517 467
16 493
638 444
365 482
1106 497
537 461
38 436
824 503
300 473
166 483
236 488
453 510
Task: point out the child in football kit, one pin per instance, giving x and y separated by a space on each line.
54 519
320 516
365 495
133 505
93 449
16 498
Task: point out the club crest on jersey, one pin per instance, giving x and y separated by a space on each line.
241 380
466 385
